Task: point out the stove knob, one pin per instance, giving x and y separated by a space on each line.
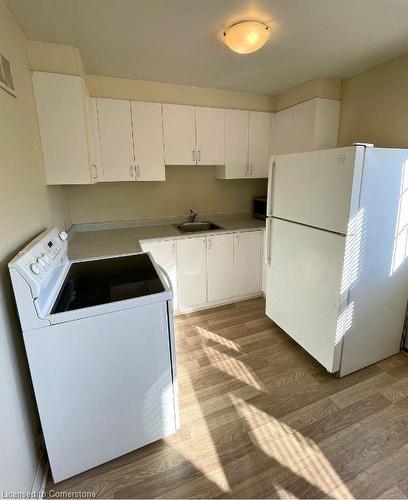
47 258
42 262
63 235
35 268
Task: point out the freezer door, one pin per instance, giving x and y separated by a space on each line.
319 188
303 287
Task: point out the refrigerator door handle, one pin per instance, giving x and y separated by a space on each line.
270 188
268 240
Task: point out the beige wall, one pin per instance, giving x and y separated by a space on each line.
186 187
374 106
120 88
328 88
27 208
54 58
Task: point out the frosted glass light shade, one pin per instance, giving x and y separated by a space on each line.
245 37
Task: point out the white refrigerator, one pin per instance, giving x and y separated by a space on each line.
336 252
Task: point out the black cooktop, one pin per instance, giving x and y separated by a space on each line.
97 282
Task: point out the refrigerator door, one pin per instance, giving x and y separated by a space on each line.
303 287
378 278
319 188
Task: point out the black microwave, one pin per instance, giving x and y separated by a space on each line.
259 207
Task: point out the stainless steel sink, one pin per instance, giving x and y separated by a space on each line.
193 227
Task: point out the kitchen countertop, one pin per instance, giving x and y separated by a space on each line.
102 240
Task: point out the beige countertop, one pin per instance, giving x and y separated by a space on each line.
106 240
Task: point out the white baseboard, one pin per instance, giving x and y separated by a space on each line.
40 478
209 305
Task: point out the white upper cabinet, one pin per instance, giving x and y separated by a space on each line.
210 136
308 126
115 131
179 134
96 155
236 155
283 132
259 144
148 142
220 267
247 262
64 128
326 123
303 130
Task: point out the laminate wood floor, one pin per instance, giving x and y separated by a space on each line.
260 418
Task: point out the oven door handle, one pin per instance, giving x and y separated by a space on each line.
167 278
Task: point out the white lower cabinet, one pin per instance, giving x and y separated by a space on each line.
220 267
247 262
192 271
264 265
209 270
164 253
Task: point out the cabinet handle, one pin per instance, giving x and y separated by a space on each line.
138 171
94 172
174 248
236 240
132 171
209 243
193 154
199 156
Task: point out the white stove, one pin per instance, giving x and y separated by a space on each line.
99 338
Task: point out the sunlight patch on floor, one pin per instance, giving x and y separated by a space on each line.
233 367
208 335
190 449
291 450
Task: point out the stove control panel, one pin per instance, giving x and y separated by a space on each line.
37 260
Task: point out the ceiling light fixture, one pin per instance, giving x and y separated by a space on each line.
245 37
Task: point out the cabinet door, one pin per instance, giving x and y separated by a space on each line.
96 164
115 131
192 271
147 123
237 125
179 134
259 143
264 266
283 131
63 128
220 267
303 126
247 262
164 253
210 136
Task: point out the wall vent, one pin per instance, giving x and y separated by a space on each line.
6 76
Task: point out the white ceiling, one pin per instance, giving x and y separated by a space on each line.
178 41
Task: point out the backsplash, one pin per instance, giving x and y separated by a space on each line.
185 187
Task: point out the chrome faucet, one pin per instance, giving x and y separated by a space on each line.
192 215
